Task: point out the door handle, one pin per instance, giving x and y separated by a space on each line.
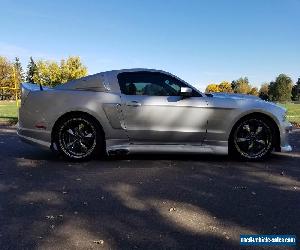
133 104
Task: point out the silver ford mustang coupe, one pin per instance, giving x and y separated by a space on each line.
145 110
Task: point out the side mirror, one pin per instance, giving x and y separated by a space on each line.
185 92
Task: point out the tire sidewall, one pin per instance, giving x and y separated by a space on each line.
98 147
233 151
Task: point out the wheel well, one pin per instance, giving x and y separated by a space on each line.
276 138
72 114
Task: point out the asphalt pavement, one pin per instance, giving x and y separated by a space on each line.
143 201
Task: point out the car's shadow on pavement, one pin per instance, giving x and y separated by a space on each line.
142 201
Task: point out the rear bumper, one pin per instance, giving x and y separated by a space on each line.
33 136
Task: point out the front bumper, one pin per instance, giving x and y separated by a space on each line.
287 148
286 129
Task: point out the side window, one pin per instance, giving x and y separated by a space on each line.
149 83
148 88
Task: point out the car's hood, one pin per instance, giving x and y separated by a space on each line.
249 98
235 96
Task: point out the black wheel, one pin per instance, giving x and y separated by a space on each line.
252 139
78 137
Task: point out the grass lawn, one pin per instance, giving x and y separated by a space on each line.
293 112
9 112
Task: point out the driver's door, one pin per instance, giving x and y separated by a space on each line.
154 112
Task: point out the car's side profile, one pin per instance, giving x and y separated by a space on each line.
142 110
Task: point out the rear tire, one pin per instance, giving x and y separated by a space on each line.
252 139
78 137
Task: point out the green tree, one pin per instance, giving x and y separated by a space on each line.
50 73
253 91
281 89
212 88
6 77
296 91
47 73
225 87
241 86
71 69
264 91
18 71
31 70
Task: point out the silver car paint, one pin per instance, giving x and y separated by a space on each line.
143 123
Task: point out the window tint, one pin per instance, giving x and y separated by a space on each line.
150 84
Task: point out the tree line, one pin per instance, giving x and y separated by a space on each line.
281 90
45 72
52 73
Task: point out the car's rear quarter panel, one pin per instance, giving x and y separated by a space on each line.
45 107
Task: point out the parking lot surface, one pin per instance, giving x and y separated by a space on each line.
143 201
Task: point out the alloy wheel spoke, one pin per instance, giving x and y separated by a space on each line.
262 142
258 130
247 128
251 144
71 144
70 131
90 135
242 139
84 147
81 129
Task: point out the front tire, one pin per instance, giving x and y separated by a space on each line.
78 137
252 139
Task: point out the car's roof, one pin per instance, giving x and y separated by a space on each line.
134 70
116 72
90 79
137 69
